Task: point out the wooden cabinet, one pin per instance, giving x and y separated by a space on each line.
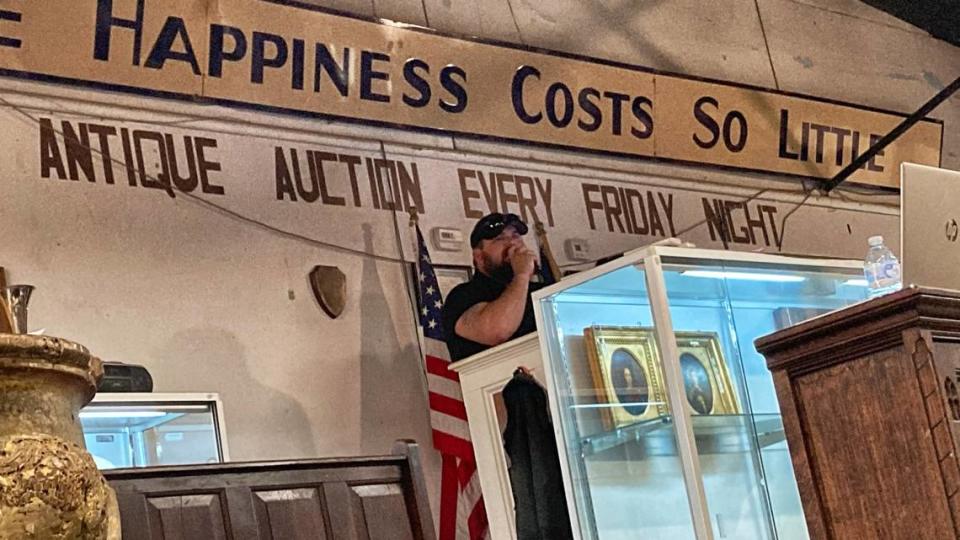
376 498
872 416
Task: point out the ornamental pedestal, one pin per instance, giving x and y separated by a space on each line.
50 487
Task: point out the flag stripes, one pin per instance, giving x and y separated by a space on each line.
462 514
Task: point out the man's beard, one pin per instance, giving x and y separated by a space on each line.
502 272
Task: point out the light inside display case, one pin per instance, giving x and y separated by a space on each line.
144 430
633 467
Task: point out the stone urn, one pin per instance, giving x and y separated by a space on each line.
50 487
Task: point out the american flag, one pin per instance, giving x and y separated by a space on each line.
462 514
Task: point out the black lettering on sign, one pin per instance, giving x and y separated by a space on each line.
107 21
173 35
315 176
160 180
299 53
50 156
276 59
593 108
152 158
369 74
321 179
394 185
13 16
103 134
339 74
417 82
530 197
309 193
829 143
455 88
183 182
736 222
467 194
78 151
628 210
284 178
205 166
379 77
219 53
734 130
352 162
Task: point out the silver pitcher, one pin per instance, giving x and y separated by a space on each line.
16 298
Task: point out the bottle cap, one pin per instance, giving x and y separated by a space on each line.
875 241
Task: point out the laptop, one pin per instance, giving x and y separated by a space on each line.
930 226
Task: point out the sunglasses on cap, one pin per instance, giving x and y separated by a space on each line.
491 225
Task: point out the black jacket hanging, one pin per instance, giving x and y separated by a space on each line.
538 494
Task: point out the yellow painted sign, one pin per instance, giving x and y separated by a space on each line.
285 57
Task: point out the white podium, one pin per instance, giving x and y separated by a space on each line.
482 378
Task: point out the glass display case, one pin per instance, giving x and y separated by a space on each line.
668 423
144 430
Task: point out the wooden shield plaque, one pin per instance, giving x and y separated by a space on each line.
329 286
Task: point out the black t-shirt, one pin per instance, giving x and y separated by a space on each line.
481 288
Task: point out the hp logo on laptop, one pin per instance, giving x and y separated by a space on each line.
952 230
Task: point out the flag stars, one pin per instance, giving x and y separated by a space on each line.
430 291
432 323
423 277
424 310
438 304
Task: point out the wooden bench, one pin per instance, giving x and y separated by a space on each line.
378 497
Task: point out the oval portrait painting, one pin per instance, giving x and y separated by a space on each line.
696 383
629 382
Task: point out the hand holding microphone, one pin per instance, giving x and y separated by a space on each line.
522 260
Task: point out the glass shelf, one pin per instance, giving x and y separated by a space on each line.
715 434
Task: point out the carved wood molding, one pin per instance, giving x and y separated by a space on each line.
861 329
928 383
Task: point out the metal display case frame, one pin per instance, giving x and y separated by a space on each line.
651 261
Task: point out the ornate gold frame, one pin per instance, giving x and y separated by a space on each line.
695 348
707 344
602 342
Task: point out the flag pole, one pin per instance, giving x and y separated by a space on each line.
421 344
551 262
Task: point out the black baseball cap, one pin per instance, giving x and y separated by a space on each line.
491 225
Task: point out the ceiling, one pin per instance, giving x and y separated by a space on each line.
941 18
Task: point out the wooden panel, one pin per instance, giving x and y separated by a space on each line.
291 514
867 431
383 511
185 517
802 465
364 498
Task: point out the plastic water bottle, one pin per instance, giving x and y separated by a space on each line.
881 268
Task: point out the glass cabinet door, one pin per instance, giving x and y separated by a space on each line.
620 444
717 311
125 430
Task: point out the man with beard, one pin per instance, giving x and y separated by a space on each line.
494 306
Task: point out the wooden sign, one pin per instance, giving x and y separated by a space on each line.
289 57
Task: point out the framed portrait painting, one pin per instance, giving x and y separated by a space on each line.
627 371
706 377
